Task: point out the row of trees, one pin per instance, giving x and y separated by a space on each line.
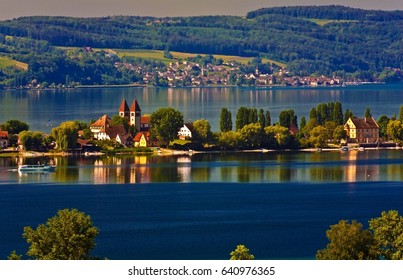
349 241
70 235
253 129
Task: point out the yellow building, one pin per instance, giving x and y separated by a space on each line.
362 130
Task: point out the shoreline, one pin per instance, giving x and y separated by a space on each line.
270 87
170 152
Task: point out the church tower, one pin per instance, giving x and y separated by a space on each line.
135 115
124 110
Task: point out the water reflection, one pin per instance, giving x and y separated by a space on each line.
386 165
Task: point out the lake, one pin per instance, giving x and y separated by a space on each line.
279 204
43 110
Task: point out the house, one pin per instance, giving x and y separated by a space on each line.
125 140
362 130
3 139
104 130
293 129
142 139
145 123
185 131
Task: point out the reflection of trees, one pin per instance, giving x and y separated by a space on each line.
321 173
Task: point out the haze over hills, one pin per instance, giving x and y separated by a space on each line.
322 40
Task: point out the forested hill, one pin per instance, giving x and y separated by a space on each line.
329 12
312 39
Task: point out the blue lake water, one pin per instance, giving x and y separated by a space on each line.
43 110
200 207
197 220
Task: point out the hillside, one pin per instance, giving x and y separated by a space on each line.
321 40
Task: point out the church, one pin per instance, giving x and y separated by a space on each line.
133 115
103 129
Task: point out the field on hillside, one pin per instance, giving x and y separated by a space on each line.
159 55
323 22
7 62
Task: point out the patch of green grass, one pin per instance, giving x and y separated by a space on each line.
179 142
145 54
323 22
159 55
8 62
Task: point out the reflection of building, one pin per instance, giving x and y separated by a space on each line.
364 130
357 170
184 169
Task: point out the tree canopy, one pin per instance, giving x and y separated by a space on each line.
241 253
70 235
14 126
165 124
349 241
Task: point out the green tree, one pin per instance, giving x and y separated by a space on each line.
401 114
313 114
339 133
167 53
31 140
70 235
202 131
280 134
287 118
14 256
229 140
262 119
241 253
388 235
242 117
225 120
14 126
165 124
337 113
302 123
394 130
252 116
348 241
367 113
348 114
319 136
251 135
66 135
268 118
383 125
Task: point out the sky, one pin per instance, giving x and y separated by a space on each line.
166 8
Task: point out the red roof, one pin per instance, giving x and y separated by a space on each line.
103 121
138 136
124 107
365 123
145 119
135 106
3 134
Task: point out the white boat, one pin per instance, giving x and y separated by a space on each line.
35 168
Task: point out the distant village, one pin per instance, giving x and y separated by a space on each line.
186 73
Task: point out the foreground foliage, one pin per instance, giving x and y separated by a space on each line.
70 235
241 253
349 241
